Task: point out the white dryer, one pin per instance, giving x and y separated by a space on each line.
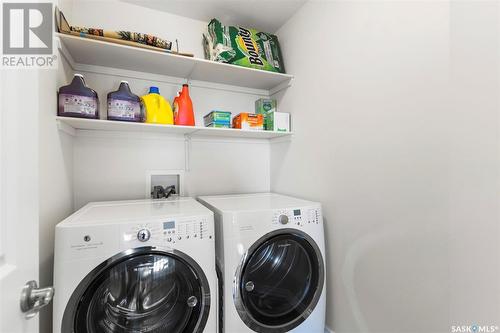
136 266
270 253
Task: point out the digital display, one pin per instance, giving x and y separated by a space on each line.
296 212
169 225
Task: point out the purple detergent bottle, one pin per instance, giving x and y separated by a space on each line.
78 100
123 105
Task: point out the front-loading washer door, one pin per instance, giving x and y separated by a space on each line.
279 281
141 290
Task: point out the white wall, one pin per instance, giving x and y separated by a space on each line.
474 151
115 167
395 110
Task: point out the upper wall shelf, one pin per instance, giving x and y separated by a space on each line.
98 53
70 125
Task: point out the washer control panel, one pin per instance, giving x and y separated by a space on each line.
185 229
169 231
297 216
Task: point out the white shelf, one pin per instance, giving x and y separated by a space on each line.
72 124
98 53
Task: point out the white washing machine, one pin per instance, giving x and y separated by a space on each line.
270 253
136 266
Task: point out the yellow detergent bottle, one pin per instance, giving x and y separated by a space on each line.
158 110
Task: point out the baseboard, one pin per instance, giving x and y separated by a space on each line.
328 330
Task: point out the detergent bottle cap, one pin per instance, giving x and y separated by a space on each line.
154 90
124 86
78 80
185 89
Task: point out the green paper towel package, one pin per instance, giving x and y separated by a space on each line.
243 47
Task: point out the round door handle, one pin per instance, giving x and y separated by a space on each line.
192 301
34 298
249 286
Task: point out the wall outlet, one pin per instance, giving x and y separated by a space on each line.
164 178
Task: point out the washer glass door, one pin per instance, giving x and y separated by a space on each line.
147 292
280 282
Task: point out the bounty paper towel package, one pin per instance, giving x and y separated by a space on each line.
244 47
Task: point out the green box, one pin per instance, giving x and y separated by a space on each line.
265 106
217 117
219 125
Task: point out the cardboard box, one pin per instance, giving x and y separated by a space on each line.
278 121
217 117
219 125
265 105
249 121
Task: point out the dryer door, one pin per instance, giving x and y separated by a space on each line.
279 281
141 290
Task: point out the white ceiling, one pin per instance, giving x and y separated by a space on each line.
264 15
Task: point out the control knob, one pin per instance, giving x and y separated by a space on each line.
143 235
283 219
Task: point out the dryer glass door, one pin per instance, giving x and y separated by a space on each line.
281 282
146 292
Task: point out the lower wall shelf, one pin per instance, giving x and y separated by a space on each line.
72 124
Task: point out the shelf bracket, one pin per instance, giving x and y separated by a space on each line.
189 76
281 139
187 152
63 51
280 87
63 127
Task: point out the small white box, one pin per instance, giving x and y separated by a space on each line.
277 121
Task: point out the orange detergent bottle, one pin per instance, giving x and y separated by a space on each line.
184 114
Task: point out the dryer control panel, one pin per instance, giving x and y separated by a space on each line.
296 216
